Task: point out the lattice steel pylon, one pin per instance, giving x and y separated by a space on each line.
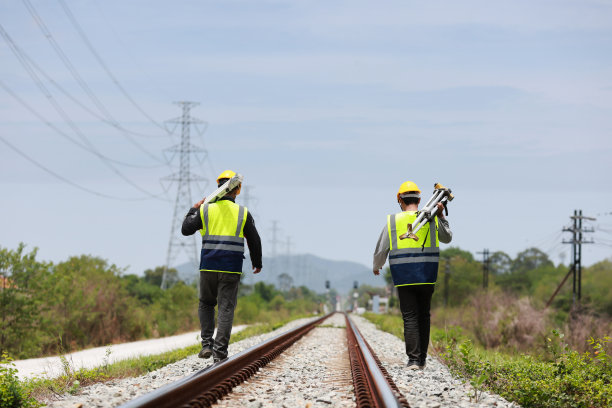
184 177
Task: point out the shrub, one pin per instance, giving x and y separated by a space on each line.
570 379
12 393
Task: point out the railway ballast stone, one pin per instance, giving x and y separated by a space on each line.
430 388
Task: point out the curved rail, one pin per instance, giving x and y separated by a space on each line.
204 388
373 385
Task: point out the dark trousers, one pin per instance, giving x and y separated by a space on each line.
415 302
222 289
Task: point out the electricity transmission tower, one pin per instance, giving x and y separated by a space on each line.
184 177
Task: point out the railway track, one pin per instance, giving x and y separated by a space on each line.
354 367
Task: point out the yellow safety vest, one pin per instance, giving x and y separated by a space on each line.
222 236
413 262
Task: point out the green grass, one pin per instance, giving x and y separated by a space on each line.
388 323
72 380
560 378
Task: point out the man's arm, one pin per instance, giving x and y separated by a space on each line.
254 242
381 251
444 233
192 221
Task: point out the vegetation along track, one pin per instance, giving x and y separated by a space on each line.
349 357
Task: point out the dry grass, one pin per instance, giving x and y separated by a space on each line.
497 320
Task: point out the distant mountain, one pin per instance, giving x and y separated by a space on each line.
304 270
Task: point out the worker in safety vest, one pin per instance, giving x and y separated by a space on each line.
224 225
414 267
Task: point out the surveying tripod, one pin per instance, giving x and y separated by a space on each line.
442 195
228 186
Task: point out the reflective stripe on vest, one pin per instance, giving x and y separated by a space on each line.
223 226
222 236
412 262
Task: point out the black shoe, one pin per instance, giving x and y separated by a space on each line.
206 352
422 364
412 365
218 359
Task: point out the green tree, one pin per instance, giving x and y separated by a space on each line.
530 259
88 304
465 278
500 263
524 269
155 276
284 282
265 291
597 286
176 310
142 289
21 299
456 252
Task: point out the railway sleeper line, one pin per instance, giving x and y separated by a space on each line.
372 384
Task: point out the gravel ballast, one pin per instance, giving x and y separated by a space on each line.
311 374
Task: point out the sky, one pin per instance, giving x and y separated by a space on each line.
325 108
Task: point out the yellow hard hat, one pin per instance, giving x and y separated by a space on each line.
408 187
227 174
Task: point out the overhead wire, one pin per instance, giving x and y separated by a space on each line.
47 122
67 94
18 51
549 239
62 178
64 116
103 64
75 74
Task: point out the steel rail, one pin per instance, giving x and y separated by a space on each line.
204 388
373 385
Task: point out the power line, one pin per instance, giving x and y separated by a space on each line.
91 48
64 115
89 148
62 133
62 178
64 58
75 74
67 94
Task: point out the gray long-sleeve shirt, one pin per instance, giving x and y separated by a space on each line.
382 246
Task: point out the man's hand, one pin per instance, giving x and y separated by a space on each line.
376 272
256 270
199 203
440 212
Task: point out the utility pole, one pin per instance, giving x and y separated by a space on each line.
184 178
485 268
577 241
